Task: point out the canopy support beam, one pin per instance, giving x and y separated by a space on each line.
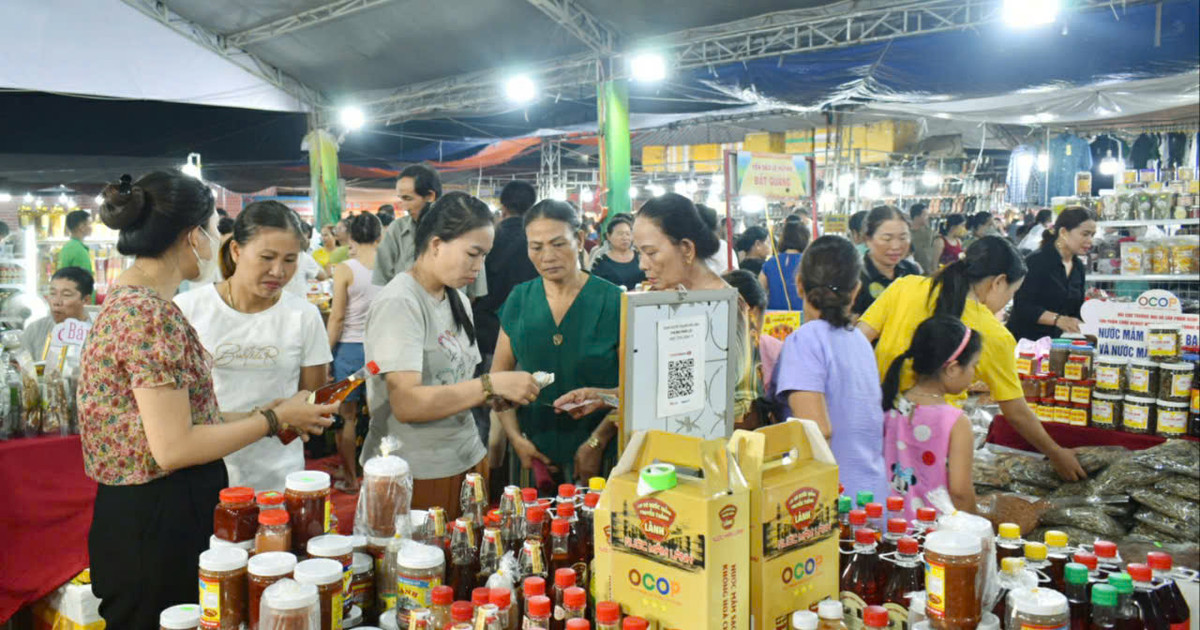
304 19
580 22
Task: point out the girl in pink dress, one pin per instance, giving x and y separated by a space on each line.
927 442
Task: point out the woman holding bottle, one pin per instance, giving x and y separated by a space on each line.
266 343
420 333
153 435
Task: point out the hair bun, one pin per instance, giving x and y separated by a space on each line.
124 204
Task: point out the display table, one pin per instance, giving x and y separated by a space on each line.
1002 433
46 516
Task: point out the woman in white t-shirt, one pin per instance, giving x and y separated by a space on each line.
420 334
265 343
352 295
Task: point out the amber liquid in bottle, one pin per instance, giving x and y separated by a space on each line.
864 575
334 394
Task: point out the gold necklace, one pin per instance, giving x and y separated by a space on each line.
232 305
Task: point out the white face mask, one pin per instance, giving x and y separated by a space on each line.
208 266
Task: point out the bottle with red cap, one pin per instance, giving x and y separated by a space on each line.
578 547
531 586
896 529
894 507
481 596
535 526
863 582
875 618
563 579
1178 613
574 603
532 562
465 559
926 522
490 551
462 612
635 623
1147 597
906 576
1107 557
578 624
501 598
858 520
875 519
560 545
537 613
608 616
442 598
1089 560
587 523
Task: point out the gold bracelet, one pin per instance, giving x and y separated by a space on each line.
486 379
594 442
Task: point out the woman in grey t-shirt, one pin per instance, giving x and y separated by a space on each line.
421 335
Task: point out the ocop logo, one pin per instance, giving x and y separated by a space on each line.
1158 299
801 570
653 584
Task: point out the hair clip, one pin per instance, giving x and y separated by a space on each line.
833 287
126 186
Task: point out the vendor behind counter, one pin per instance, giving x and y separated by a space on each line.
70 289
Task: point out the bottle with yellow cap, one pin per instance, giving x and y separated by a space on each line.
1035 560
1058 554
1008 542
1013 575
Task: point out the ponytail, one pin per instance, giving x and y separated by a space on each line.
1069 219
225 259
891 381
936 343
955 287
987 257
459 312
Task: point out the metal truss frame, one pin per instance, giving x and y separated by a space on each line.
161 13
580 22
772 35
550 175
302 20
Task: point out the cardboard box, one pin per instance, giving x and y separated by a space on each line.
679 557
793 482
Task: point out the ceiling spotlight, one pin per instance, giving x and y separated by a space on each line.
99 200
753 203
896 187
680 187
648 67
931 179
5 197
1110 165
352 118
633 192
872 189
586 195
1027 13
520 89
558 194
656 190
28 198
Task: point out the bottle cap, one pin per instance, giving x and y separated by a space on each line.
1041 602
539 606
845 504
1035 551
225 559
288 594
591 499
330 546
500 597
564 578
578 624
1012 566
1160 560
858 517
535 514
865 536
926 515
534 586
1076 573
597 484
952 543
874 510
318 572
909 546
1055 538
443 595
566 491
1105 549
272 564
875 617
895 504
897 526
1122 582
270 497
461 611
830 609
560 527
182 616
1088 560
1011 531
307 481
635 623
1104 595
658 477
372 367
1139 572
272 517
481 596
805 620
607 612
529 495
236 494
566 510
575 597
864 497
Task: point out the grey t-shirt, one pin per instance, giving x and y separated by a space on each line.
408 330
33 338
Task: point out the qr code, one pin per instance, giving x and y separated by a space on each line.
680 378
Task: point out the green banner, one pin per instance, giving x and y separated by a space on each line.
323 176
613 101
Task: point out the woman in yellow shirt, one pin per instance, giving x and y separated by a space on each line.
973 289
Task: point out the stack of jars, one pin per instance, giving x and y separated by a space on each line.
1063 393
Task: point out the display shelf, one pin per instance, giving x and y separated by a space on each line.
1142 278
12 287
1148 223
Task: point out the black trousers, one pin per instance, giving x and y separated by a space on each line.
146 540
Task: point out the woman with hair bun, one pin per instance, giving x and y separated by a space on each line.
1049 302
266 342
153 434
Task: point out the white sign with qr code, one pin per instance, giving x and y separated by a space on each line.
681 365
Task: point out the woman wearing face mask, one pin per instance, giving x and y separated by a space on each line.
619 264
1048 304
420 334
266 343
889 242
153 435
567 323
972 289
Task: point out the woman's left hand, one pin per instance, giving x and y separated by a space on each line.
587 461
581 402
1069 324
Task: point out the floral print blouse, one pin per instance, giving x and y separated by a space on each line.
138 341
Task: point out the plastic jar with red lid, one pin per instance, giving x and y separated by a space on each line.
235 518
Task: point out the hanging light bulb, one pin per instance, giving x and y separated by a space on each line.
586 195
633 192
896 187
872 189
718 183
656 190
1043 162
28 198
680 187
1110 165
931 178
753 203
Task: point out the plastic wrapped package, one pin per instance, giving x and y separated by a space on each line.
1029 490
1006 507
1073 489
1035 470
1125 474
1091 518
1181 457
1097 458
385 497
31 395
1168 504
1171 527
1180 486
989 469
952 520
289 605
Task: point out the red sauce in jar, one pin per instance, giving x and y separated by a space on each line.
236 517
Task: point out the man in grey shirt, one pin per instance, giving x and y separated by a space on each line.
417 187
70 288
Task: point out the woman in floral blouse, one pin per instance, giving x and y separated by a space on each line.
153 437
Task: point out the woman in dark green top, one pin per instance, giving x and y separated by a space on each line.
620 265
565 322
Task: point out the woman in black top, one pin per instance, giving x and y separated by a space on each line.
619 264
1048 304
889 243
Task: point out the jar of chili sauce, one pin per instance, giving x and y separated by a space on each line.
952 564
236 517
308 505
264 570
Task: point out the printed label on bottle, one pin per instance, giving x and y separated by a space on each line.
210 604
347 576
854 607
1079 417
1137 416
897 616
328 514
560 613
1074 371
414 592
337 610
1180 385
1172 422
386 602
1108 377
1036 626
1062 393
1161 344
1024 366
1139 380
1102 412
935 589
1081 395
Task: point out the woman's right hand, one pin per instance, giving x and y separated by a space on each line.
305 418
527 452
515 387
1069 324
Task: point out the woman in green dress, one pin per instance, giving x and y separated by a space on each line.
565 322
